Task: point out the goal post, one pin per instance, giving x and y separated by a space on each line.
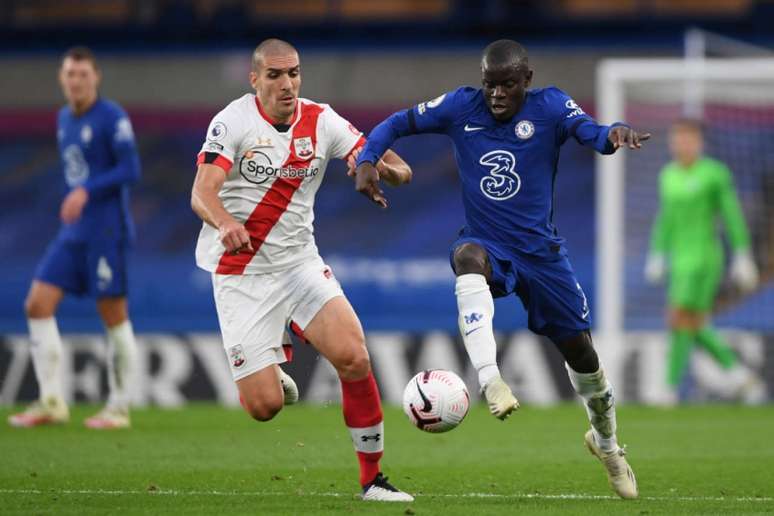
735 95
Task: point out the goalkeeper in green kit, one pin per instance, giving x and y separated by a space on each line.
694 191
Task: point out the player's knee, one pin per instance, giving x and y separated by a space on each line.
113 311
685 320
579 353
355 364
36 307
265 413
262 409
470 258
360 365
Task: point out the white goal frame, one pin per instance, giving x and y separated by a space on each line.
611 81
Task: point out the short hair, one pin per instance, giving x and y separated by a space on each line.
692 124
81 53
271 47
505 52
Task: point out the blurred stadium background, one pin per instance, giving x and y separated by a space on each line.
172 64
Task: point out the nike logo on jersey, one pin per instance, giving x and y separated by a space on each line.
471 331
470 129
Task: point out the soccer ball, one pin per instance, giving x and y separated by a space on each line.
436 400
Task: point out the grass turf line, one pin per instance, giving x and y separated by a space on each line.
204 459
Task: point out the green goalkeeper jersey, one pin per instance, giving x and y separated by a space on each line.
692 199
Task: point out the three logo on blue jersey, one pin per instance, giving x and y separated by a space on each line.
76 169
502 182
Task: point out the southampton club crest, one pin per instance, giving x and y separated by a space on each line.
304 148
237 356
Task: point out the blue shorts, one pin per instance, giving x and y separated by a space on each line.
555 303
95 269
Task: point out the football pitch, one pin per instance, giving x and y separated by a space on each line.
204 459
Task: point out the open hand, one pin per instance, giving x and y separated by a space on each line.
622 135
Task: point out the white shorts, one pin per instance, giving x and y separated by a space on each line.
255 309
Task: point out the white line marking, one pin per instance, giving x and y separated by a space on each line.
301 492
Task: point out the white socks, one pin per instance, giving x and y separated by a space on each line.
122 360
46 350
597 392
476 309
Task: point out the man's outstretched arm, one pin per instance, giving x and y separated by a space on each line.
434 116
391 167
604 139
382 137
574 121
376 161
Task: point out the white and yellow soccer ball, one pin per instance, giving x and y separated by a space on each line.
436 400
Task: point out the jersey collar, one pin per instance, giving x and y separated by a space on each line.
88 109
270 120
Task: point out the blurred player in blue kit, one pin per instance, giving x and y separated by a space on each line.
88 257
506 142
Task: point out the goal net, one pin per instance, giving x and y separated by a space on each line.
735 100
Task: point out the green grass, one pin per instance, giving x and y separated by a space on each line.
207 460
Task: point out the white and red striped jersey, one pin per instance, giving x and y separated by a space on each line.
272 180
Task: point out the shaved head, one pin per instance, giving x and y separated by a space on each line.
504 53
276 78
274 49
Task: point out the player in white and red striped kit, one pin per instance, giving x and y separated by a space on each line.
258 172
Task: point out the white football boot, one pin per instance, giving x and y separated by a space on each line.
52 411
289 387
380 490
500 399
753 392
619 473
109 418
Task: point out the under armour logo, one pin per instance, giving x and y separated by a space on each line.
375 437
473 318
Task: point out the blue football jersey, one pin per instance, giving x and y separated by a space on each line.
507 169
98 152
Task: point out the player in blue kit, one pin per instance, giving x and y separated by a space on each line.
506 141
89 255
